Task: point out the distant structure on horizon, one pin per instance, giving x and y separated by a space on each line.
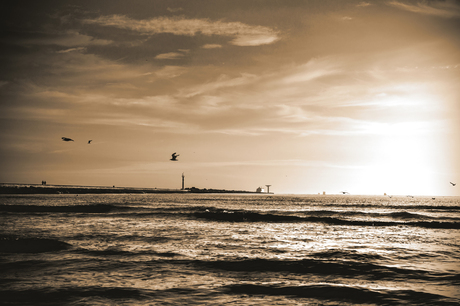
261 190
183 177
268 188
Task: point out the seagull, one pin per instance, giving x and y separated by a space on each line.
66 139
174 156
453 184
89 141
344 192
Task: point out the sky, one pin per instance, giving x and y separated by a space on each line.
305 96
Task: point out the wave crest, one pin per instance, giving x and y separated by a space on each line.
344 293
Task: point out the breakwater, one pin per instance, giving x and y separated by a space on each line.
72 189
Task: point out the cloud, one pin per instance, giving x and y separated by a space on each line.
131 120
445 9
212 46
254 39
170 55
313 69
170 71
175 10
222 82
363 4
67 39
72 50
244 35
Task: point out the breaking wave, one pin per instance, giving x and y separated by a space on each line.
249 216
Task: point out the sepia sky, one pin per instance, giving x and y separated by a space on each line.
308 96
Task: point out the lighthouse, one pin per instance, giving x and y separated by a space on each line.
183 177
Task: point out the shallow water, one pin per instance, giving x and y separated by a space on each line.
242 249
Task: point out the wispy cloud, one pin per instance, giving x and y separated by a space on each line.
175 10
69 38
212 46
158 166
171 126
315 68
170 55
446 9
222 82
363 4
244 35
170 71
72 50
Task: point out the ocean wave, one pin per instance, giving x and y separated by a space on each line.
127 238
393 215
10 244
57 296
90 208
117 252
405 215
243 216
348 255
250 216
345 294
341 268
402 206
321 292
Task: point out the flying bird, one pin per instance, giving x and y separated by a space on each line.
453 184
89 141
344 192
174 156
66 139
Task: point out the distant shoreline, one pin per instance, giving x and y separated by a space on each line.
6 188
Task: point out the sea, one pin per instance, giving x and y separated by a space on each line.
229 249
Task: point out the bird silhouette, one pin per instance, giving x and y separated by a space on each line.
67 139
453 184
174 156
89 141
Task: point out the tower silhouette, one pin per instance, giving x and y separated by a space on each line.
268 188
183 177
